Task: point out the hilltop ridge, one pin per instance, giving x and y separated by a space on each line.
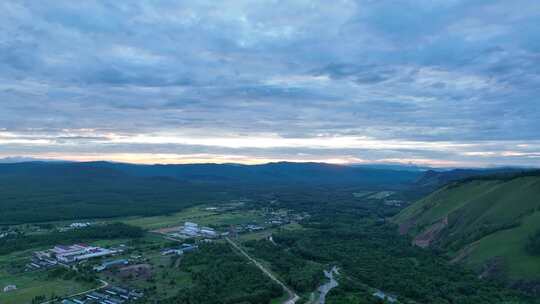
484 222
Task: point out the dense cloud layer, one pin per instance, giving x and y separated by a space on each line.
434 82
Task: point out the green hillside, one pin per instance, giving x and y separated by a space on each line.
485 223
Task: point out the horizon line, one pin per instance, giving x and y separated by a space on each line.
27 159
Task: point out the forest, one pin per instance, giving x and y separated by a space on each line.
354 235
39 192
533 244
18 242
221 276
303 275
371 255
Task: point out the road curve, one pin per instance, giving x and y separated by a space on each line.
293 297
103 285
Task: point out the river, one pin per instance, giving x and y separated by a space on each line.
332 283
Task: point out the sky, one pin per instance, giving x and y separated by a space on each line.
445 83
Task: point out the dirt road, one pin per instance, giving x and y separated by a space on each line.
293 297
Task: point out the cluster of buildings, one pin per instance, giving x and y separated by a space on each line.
194 230
7 233
234 230
70 254
394 203
111 264
109 295
77 225
284 217
184 248
253 227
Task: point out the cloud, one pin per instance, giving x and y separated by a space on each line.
422 73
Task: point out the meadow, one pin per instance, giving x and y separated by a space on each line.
199 214
30 285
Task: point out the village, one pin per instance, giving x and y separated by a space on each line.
127 271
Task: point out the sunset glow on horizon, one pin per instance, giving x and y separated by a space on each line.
258 81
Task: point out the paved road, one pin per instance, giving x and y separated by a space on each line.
293 297
103 285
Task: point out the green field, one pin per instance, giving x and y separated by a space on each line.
281 299
34 284
37 283
361 194
168 277
164 271
162 221
381 195
198 215
266 233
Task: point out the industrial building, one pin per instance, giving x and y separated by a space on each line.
73 253
79 225
193 230
172 251
109 295
184 248
111 264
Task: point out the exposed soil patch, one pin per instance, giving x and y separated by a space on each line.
406 226
493 268
167 230
462 254
425 238
139 271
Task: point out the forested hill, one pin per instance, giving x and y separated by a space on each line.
44 191
431 180
274 173
491 223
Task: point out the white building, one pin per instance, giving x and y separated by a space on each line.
68 253
190 225
9 288
79 225
73 253
191 229
207 231
172 251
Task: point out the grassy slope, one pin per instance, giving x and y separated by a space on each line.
443 202
482 205
509 244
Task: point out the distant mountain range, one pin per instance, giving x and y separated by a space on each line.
373 175
397 167
273 173
36 190
44 191
25 159
435 178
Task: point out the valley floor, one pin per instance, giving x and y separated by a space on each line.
264 252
